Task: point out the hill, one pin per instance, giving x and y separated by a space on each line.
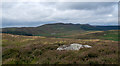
56 29
18 49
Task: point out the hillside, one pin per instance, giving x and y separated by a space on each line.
43 50
56 29
18 49
106 35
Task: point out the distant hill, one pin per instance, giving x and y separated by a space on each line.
56 29
108 27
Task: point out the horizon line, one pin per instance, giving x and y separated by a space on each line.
56 23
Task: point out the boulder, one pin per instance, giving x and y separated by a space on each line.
74 46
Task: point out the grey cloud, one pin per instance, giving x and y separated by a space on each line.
8 5
84 5
33 14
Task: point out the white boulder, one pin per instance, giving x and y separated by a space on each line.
73 46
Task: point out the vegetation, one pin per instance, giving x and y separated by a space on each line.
56 29
37 45
18 49
106 35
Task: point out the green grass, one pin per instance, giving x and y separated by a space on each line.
112 37
55 35
105 35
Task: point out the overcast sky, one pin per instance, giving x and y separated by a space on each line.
28 14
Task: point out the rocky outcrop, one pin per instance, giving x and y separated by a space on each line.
73 46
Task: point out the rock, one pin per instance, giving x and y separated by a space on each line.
87 46
73 46
60 48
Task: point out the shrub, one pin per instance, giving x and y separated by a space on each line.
93 62
37 52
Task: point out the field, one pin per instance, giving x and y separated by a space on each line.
106 35
19 49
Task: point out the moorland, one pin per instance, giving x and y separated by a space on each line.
37 45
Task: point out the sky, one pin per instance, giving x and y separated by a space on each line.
32 14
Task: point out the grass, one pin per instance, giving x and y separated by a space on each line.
112 37
104 35
41 50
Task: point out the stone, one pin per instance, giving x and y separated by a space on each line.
87 46
74 46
